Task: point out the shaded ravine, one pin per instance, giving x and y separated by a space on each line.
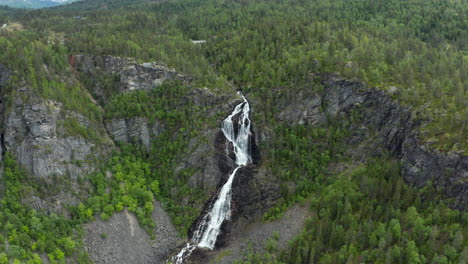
236 130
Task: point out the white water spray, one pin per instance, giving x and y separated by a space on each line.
210 226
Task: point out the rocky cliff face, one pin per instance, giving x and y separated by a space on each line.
381 124
128 74
134 130
32 135
207 150
4 77
34 130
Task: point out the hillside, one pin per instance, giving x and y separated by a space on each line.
298 131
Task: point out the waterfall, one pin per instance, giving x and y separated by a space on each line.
209 227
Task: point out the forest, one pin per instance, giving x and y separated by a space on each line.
418 47
415 51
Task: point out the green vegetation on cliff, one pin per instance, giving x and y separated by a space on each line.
300 156
26 234
368 214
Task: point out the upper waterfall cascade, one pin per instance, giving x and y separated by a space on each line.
209 227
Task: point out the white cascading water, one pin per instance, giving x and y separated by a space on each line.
210 226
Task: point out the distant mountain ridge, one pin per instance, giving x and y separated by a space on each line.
34 3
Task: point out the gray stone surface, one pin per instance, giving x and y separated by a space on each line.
31 134
396 131
251 235
132 76
33 131
121 240
136 130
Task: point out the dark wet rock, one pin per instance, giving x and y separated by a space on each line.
253 192
207 175
296 110
251 235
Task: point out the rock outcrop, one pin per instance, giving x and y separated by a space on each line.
395 130
31 133
128 75
136 130
35 131
4 77
133 76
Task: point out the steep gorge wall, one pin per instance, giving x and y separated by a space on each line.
382 124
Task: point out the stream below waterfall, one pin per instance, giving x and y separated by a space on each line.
209 227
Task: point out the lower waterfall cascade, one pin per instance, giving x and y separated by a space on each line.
209 227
